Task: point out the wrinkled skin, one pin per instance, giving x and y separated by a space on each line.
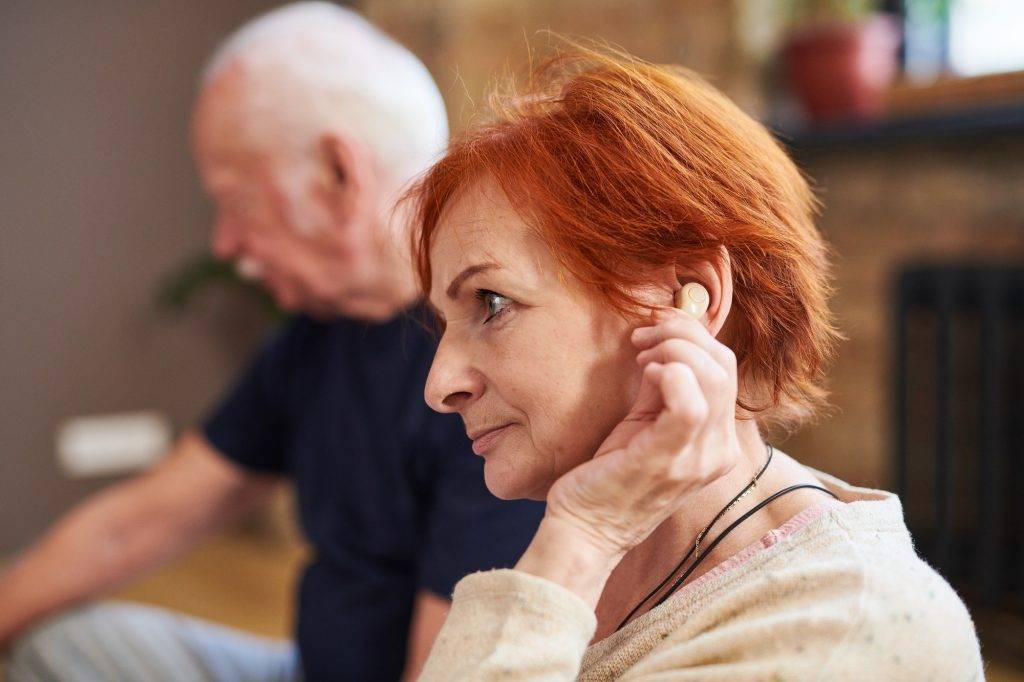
306 213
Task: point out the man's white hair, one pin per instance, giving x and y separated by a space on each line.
316 67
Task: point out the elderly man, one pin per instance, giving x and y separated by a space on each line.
308 124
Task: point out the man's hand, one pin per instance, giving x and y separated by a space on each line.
125 530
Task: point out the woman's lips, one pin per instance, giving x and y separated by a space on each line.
483 443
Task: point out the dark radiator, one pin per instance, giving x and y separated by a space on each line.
958 388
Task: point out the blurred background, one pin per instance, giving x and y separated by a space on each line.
907 114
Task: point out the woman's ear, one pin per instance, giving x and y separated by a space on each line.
716 277
351 176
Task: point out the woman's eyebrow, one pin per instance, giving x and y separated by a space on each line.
453 289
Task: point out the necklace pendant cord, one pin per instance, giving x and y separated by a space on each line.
700 536
698 558
732 526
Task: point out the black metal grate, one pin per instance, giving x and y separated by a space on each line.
959 379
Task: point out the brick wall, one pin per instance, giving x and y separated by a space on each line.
883 204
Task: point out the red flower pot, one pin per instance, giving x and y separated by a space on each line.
841 70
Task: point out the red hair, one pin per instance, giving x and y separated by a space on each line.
623 167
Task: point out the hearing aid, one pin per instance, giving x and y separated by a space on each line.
692 299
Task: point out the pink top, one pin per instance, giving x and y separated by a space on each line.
767 540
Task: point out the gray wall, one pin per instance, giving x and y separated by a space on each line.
98 201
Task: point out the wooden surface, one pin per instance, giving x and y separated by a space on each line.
238 578
245 579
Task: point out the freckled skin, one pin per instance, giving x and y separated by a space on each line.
557 363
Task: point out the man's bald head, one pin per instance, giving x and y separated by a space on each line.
308 123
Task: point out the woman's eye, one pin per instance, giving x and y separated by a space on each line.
494 303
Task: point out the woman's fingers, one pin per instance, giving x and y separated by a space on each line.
717 381
669 324
648 402
682 401
676 324
687 414
713 377
696 379
686 403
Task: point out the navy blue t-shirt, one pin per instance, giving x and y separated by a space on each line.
390 495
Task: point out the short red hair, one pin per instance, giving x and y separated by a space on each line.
624 167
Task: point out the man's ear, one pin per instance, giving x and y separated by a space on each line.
716 276
350 174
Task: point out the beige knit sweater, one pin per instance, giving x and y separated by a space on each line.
843 597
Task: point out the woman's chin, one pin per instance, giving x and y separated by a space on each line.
507 482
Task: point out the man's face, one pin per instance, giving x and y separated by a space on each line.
287 214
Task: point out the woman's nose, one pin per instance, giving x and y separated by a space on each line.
452 383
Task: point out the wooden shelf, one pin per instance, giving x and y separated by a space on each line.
990 121
948 109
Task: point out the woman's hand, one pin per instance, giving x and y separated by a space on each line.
680 436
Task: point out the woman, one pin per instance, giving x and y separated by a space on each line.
676 543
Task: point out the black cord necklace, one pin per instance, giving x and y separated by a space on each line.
714 543
700 536
721 536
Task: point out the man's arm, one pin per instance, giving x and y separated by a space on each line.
125 530
428 614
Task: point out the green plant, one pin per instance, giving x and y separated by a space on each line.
802 11
197 274
928 11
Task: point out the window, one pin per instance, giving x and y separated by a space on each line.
986 36
963 37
